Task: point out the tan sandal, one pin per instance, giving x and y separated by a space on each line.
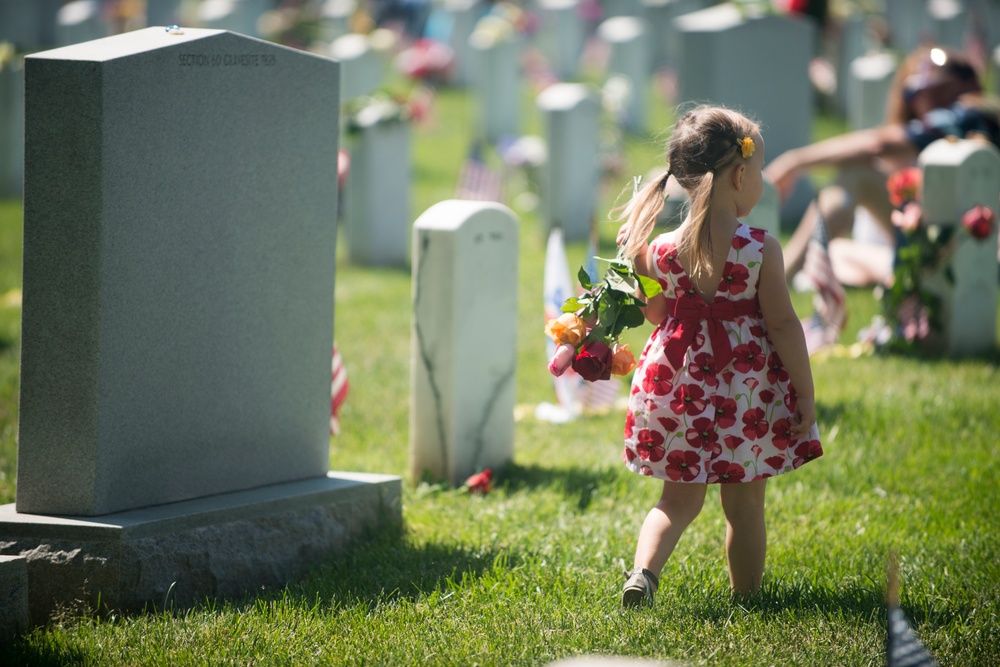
639 588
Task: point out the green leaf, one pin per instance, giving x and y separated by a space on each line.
571 305
584 278
617 282
632 316
649 286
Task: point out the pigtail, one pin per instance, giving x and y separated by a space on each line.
696 242
640 214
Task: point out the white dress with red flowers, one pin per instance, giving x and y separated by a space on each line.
710 399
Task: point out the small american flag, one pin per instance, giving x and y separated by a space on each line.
903 648
830 304
477 180
338 390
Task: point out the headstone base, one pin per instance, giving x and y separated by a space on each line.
177 554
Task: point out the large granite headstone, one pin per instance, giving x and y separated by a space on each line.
727 56
571 117
179 244
464 339
960 174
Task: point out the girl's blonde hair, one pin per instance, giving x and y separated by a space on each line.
705 140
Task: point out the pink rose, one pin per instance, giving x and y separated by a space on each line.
978 220
907 219
594 361
562 359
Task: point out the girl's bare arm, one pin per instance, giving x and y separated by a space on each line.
786 333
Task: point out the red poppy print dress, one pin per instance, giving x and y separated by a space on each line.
710 400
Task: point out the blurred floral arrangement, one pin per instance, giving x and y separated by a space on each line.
384 106
587 333
910 310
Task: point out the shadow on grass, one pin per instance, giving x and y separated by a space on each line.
575 482
388 566
782 598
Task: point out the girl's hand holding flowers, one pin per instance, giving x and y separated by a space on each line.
587 332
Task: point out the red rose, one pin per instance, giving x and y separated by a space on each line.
593 362
480 482
978 220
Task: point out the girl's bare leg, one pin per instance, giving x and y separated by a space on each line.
746 534
679 504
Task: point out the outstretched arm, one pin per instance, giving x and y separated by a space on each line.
786 333
860 145
656 307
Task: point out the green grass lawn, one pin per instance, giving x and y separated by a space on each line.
531 572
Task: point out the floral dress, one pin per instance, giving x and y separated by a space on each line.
710 400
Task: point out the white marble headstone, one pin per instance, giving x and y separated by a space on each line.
462 16
960 174
496 80
562 35
868 89
571 117
179 246
631 57
947 21
377 197
237 15
907 22
464 339
854 41
80 21
361 66
335 18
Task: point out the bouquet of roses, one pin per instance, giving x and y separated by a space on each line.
909 307
587 333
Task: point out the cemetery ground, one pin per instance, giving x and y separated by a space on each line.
531 572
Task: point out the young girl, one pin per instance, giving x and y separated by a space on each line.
723 393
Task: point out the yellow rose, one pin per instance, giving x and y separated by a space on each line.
567 329
623 361
747 146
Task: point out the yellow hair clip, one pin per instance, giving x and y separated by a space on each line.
747 146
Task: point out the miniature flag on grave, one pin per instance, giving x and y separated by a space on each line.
830 305
338 390
478 181
557 286
903 647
